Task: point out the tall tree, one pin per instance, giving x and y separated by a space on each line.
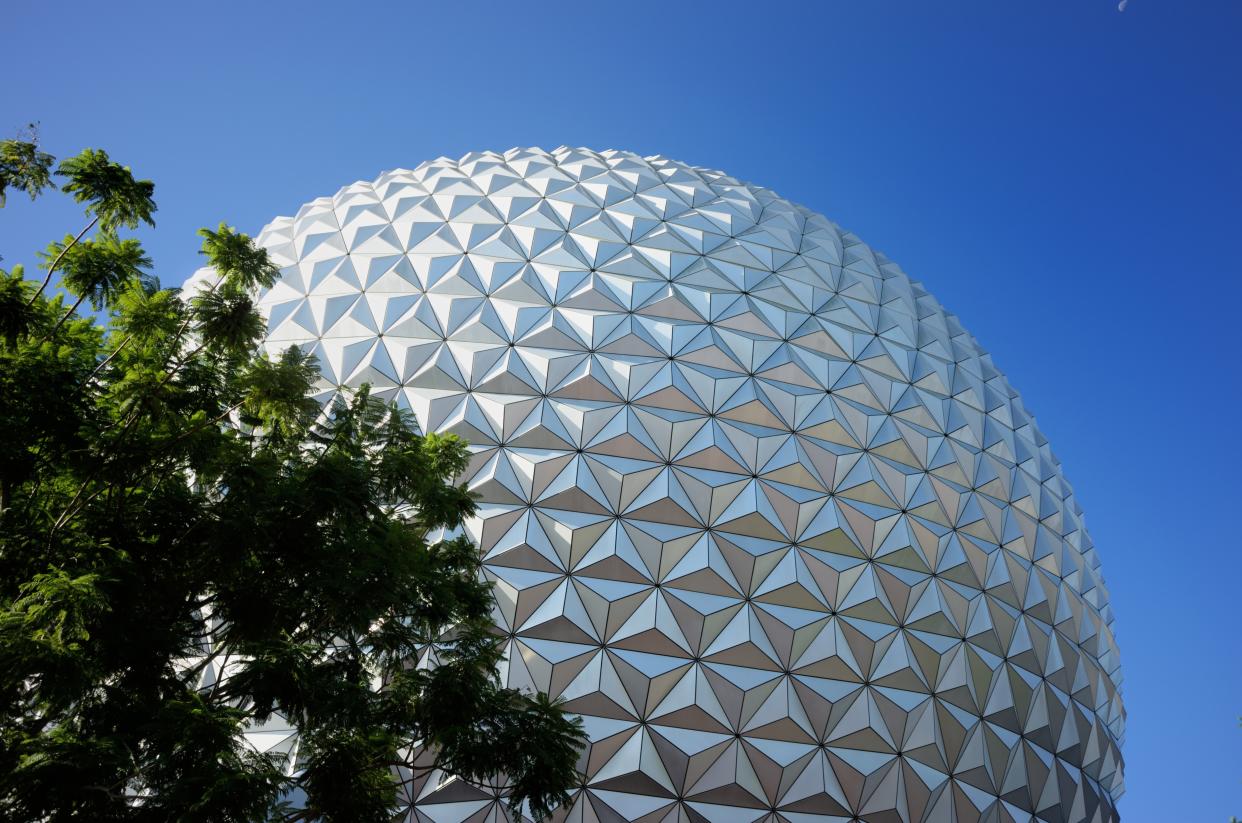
190 546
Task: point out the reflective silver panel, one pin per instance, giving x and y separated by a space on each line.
755 505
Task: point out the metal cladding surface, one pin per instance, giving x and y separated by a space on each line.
755 506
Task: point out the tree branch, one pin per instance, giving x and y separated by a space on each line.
59 257
108 359
64 317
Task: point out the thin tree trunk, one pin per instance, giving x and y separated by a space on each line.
108 359
59 257
189 315
65 317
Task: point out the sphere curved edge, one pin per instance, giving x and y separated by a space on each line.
753 503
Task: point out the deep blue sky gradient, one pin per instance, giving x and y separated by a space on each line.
1064 177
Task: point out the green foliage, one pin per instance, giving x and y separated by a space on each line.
95 269
108 189
17 313
112 196
190 545
236 259
23 166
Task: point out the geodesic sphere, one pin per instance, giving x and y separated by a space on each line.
755 506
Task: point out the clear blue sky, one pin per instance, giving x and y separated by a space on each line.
1065 177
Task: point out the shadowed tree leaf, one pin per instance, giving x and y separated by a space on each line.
192 546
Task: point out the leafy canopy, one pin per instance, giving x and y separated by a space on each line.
108 189
191 546
23 166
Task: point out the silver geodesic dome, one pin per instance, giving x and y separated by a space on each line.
754 504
